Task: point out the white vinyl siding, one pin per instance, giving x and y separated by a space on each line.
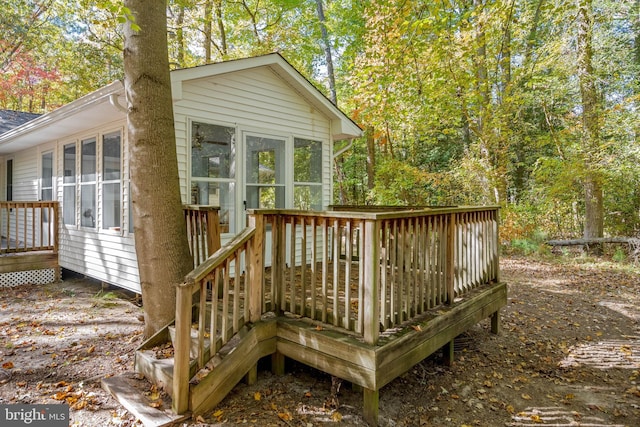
256 102
106 255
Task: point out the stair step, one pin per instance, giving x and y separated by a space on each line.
193 351
129 391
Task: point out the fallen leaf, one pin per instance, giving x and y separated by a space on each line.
218 413
7 365
285 416
257 396
156 404
336 416
417 328
526 397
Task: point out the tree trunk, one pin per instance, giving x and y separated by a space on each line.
371 158
327 53
160 238
208 8
592 186
223 34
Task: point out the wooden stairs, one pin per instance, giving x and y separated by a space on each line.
322 347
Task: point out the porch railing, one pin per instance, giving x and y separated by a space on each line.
410 262
28 226
203 231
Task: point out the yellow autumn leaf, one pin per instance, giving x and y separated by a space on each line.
336 416
526 396
285 416
257 396
218 413
536 418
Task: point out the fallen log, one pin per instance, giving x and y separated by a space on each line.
590 241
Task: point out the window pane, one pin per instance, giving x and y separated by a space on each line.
69 204
267 197
70 163
47 194
221 194
47 171
307 197
265 160
88 166
111 156
307 161
88 206
110 205
10 179
212 151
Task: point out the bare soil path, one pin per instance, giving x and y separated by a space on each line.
568 355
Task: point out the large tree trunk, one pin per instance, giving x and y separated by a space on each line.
593 198
160 238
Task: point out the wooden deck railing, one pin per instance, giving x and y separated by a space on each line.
409 262
228 290
29 226
203 231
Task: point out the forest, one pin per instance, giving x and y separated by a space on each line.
528 104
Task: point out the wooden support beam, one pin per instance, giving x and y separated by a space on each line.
447 353
277 363
370 407
495 323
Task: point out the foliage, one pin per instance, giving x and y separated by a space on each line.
467 101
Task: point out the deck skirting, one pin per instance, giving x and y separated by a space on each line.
38 268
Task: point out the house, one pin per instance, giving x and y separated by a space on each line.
250 133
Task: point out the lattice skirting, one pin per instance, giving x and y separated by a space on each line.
29 277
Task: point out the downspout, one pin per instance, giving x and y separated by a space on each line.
343 149
113 100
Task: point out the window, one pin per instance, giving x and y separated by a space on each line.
213 170
9 180
265 172
307 174
111 194
46 177
69 185
88 183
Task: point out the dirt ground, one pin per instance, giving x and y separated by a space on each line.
568 355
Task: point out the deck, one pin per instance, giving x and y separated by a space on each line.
363 296
28 242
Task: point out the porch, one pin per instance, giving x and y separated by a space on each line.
29 243
363 296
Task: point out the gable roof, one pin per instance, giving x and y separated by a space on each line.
105 104
342 126
10 119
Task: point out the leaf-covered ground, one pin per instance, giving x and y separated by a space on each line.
568 355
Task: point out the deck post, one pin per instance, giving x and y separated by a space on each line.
213 231
450 263
495 323
371 303
371 407
182 344
448 353
255 267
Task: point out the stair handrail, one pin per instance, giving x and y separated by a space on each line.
250 241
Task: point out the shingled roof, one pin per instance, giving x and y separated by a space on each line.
10 119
